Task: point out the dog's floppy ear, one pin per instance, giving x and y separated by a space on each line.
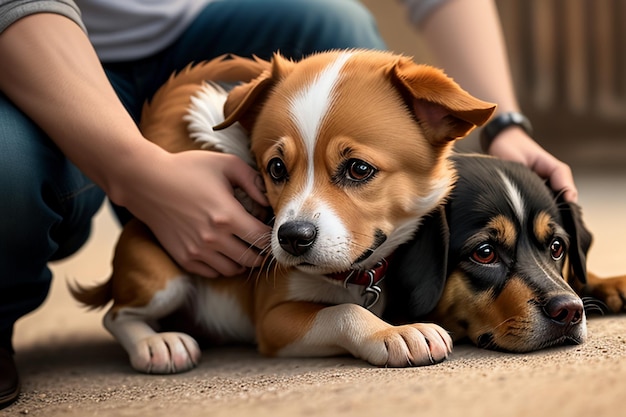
418 270
245 100
580 239
445 111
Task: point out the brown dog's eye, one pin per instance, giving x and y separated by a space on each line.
484 254
277 170
359 170
353 173
557 249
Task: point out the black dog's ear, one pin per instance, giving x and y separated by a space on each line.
417 272
580 238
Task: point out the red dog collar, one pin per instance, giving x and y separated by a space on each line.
366 277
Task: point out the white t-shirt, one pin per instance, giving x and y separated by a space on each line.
132 29
125 29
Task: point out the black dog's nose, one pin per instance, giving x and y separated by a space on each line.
297 237
564 309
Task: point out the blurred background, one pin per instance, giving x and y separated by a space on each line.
568 59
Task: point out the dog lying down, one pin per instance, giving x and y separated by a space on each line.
352 147
502 264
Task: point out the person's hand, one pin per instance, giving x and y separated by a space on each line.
187 200
515 145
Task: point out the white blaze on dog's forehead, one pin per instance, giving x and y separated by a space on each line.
308 109
514 196
310 105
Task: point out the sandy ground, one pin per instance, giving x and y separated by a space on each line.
70 366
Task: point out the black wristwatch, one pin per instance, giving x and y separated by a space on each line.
500 123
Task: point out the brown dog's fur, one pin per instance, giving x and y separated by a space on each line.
353 149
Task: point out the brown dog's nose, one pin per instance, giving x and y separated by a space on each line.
297 237
564 310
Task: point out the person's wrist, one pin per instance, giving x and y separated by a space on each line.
500 123
137 164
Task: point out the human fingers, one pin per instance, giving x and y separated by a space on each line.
200 268
252 233
221 266
231 232
219 254
515 145
232 257
559 176
247 178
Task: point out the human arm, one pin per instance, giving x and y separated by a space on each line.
50 71
465 38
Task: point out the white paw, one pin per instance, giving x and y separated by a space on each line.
165 353
409 345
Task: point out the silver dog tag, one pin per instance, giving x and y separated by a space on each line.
371 292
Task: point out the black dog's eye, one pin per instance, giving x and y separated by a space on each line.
557 249
484 254
277 170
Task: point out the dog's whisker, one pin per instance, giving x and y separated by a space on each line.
277 269
272 269
266 260
558 197
593 305
266 249
513 319
253 246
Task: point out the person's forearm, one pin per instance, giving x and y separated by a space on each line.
466 40
50 71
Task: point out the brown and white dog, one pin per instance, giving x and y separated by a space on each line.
353 148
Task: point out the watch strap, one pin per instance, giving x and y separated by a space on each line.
501 122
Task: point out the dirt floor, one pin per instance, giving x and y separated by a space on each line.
70 366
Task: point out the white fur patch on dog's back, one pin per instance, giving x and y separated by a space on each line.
207 110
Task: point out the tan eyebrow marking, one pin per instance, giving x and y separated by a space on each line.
543 226
504 229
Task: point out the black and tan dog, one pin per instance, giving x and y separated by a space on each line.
515 260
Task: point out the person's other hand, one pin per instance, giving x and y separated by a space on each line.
515 145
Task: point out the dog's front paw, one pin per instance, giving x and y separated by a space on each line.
165 353
611 291
409 345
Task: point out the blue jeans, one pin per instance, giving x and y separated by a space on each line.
47 204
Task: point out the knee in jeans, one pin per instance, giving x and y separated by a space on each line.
19 180
36 176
